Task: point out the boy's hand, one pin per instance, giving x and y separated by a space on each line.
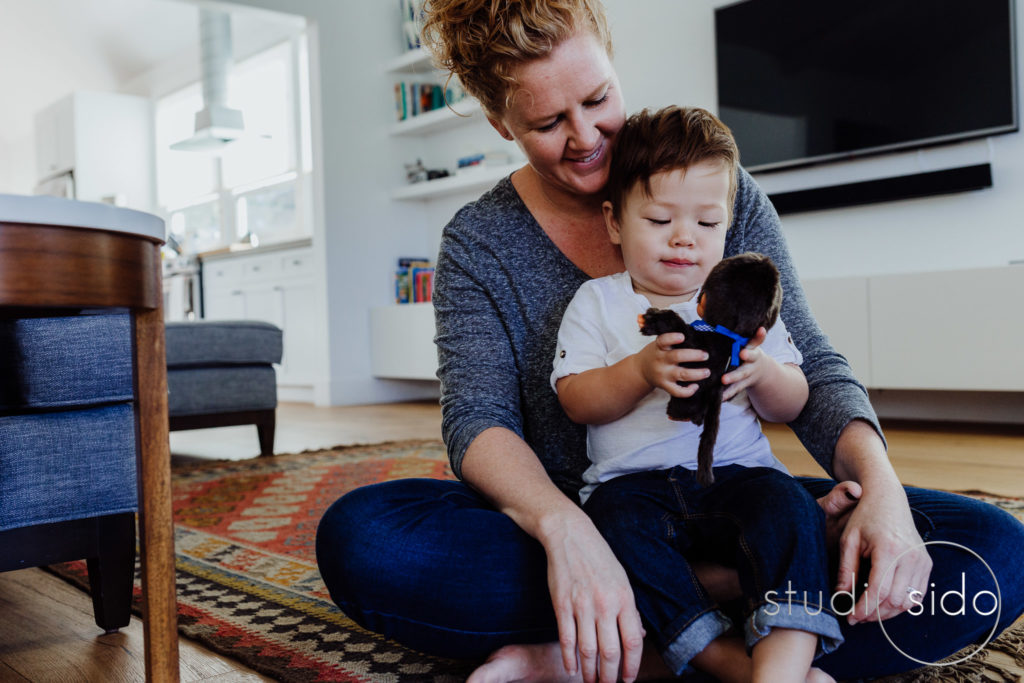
658 363
755 366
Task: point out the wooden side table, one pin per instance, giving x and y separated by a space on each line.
59 254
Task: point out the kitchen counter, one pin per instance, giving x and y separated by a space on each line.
240 250
43 210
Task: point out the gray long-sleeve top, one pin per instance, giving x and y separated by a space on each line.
500 289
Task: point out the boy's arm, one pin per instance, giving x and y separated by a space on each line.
605 394
777 391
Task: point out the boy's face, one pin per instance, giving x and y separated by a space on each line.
673 238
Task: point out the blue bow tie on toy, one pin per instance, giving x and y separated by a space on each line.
738 342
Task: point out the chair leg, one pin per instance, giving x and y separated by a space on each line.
265 430
112 571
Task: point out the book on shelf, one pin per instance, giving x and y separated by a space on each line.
414 280
415 98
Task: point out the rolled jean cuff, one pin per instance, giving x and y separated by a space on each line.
693 639
795 616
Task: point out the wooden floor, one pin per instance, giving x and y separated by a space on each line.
47 631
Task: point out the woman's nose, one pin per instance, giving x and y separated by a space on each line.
585 134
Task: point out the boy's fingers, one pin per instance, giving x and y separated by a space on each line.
680 391
669 339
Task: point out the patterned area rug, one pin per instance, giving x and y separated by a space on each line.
248 585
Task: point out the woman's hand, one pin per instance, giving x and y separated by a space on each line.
658 363
593 603
880 528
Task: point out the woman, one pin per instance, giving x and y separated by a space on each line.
506 556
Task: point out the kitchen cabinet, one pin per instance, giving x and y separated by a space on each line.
104 141
274 284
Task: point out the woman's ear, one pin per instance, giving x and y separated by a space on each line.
611 223
500 127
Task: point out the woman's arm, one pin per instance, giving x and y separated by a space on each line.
590 592
839 428
836 398
880 527
482 425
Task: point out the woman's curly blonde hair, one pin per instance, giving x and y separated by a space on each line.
481 42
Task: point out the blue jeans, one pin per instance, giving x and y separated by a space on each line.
757 519
434 566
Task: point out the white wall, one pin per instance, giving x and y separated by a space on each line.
363 231
42 76
664 54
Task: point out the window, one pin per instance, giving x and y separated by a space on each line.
257 187
197 225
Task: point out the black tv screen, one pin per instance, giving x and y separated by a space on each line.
803 81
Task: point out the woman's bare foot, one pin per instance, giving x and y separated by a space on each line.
838 504
541 662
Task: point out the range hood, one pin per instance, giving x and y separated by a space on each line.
216 124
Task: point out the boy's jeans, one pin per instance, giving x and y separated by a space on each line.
757 519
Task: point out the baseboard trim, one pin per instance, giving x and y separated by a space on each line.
979 407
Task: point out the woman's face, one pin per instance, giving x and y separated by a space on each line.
564 114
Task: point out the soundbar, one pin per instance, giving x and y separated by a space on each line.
947 181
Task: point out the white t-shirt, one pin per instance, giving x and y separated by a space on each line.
599 328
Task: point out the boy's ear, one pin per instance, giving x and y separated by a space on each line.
500 127
611 222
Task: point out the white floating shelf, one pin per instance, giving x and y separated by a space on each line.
439 119
475 179
412 62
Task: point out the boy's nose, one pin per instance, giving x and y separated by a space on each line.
681 236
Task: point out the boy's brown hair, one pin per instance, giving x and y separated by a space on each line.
665 140
482 42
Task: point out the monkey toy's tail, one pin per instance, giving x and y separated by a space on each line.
706 449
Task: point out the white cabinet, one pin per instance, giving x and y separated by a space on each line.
840 306
942 331
105 140
275 285
403 342
957 330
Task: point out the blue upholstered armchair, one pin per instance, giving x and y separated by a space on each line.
68 451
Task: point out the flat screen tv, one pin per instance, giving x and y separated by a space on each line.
805 81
